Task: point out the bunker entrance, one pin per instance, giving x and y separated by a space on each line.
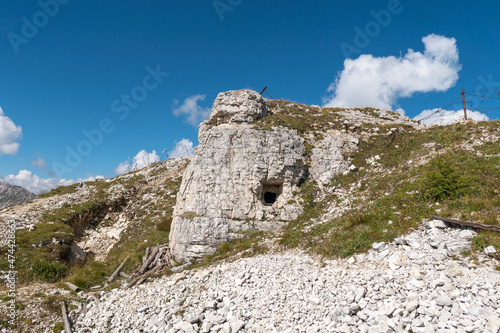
270 192
269 198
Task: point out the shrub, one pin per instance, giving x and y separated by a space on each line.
443 179
49 271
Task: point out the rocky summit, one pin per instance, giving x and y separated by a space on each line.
287 218
11 195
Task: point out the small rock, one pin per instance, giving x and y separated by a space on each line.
379 247
466 234
490 250
437 224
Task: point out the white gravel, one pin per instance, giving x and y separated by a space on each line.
411 284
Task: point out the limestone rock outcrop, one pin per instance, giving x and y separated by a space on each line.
240 178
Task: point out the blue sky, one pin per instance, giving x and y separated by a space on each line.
70 74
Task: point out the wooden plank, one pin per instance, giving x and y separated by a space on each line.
126 276
67 326
469 224
113 276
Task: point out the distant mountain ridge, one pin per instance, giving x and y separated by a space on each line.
11 195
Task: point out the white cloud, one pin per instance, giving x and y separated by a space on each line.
141 160
446 117
194 113
37 185
380 81
40 163
34 183
183 148
9 134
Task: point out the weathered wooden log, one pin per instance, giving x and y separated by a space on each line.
146 255
141 280
124 275
469 224
67 326
113 276
71 286
149 260
133 282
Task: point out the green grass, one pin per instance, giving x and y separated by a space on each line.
41 253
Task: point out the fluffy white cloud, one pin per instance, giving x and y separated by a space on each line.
141 160
446 117
194 113
9 134
34 183
380 81
183 148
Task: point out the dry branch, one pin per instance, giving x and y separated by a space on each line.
113 276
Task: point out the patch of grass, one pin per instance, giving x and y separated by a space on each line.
61 190
37 249
485 238
490 148
88 275
53 304
58 327
164 225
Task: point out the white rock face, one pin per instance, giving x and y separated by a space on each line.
328 156
229 186
240 178
238 106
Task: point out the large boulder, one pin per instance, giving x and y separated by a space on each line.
238 106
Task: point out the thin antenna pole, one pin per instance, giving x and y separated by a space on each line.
463 101
263 90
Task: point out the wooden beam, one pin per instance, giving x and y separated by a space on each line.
469 224
67 326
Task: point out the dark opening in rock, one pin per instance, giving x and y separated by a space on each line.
270 192
270 198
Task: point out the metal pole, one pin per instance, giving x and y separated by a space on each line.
463 101
263 90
